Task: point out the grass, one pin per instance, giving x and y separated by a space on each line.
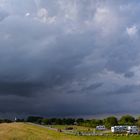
79 128
22 131
75 128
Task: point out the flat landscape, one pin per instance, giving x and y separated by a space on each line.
24 131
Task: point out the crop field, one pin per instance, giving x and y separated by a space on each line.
23 131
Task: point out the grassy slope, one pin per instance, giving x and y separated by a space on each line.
20 131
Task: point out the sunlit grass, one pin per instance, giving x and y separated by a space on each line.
22 131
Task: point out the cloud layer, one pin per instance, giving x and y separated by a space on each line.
69 57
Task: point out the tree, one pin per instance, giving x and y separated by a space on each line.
79 121
127 120
110 121
138 121
68 121
46 121
94 122
20 120
34 119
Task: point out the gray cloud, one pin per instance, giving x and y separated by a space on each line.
69 57
3 14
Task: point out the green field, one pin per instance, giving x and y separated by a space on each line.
22 131
75 128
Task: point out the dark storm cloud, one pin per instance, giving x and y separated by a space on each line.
69 57
127 89
85 89
18 88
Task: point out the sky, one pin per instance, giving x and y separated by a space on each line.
69 57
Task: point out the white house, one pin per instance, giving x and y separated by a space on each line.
133 130
100 127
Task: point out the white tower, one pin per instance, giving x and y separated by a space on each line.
15 119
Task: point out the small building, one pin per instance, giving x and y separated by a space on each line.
100 127
133 130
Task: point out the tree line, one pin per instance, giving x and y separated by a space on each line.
108 122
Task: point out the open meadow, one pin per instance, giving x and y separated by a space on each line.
23 131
